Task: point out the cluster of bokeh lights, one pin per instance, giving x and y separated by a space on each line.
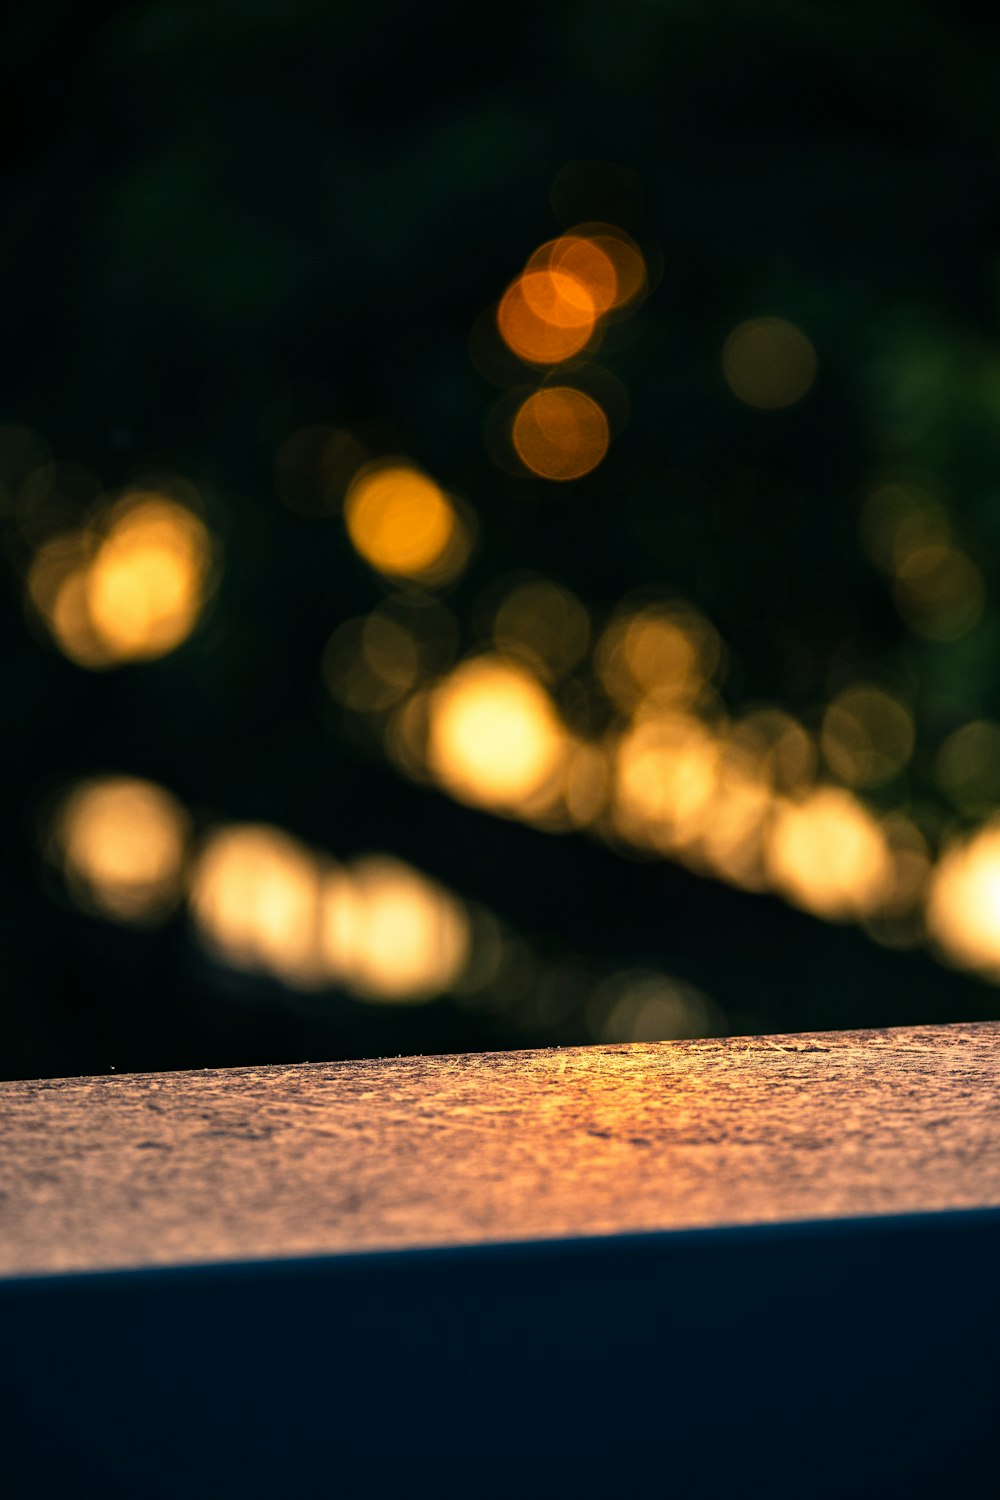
129 584
552 315
611 725
937 588
267 905
757 798
262 901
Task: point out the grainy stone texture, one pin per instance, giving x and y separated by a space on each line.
167 1168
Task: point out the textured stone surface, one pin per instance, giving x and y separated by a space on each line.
185 1167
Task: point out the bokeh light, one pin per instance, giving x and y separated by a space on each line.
641 1005
659 653
560 433
665 778
370 663
390 934
378 928
827 853
146 584
867 736
669 772
57 588
581 247
546 317
404 525
731 840
777 747
587 783
405 735
494 737
553 312
585 262
255 898
768 363
545 625
131 588
898 919
967 766
122 844
939 591
963 905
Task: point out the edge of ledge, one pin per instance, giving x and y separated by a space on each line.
722 1238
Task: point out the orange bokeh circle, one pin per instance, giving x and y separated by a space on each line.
546 316
560 433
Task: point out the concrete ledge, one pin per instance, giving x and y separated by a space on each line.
761 1266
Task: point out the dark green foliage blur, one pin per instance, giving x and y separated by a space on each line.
224 222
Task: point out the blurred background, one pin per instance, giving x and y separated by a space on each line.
501 517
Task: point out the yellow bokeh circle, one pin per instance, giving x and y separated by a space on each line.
768 363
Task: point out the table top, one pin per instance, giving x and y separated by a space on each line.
320 1158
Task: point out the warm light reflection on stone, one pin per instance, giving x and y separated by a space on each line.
122 844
